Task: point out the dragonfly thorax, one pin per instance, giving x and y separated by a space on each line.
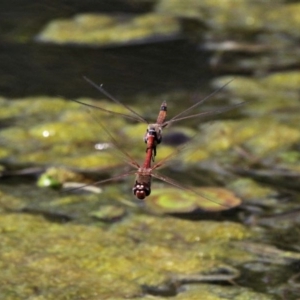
154 130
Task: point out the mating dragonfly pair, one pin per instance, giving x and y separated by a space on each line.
152 137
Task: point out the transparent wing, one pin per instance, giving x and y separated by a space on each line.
121 153
206 113
199 102
108 95
125 157
100 181
178 185
110 111
180 149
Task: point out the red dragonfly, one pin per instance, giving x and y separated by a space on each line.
145 173
155 129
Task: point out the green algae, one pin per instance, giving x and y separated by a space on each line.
55 177
239 142
52 267
4 152
274 97
263 30
219 15
210 292
9 136
48 181
109 213
157 252
55 142
100 29
102 161
253 192
290 157
189 232
282 81
269 253
246 16
216 137
32 106
284 19
271 137
43 256
10 202
174 200
227 142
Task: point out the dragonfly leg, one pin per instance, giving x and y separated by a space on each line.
153 153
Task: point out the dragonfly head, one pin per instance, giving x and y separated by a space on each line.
141 190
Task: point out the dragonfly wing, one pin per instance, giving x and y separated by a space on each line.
179 150
200 102
108 111
108 95
180 186
100 181
125 156
207 113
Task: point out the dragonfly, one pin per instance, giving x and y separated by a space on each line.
154 130
145 172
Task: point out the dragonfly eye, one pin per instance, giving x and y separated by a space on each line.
141 191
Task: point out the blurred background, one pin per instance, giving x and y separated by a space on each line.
150 56
144 52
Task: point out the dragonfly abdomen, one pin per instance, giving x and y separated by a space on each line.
162 113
